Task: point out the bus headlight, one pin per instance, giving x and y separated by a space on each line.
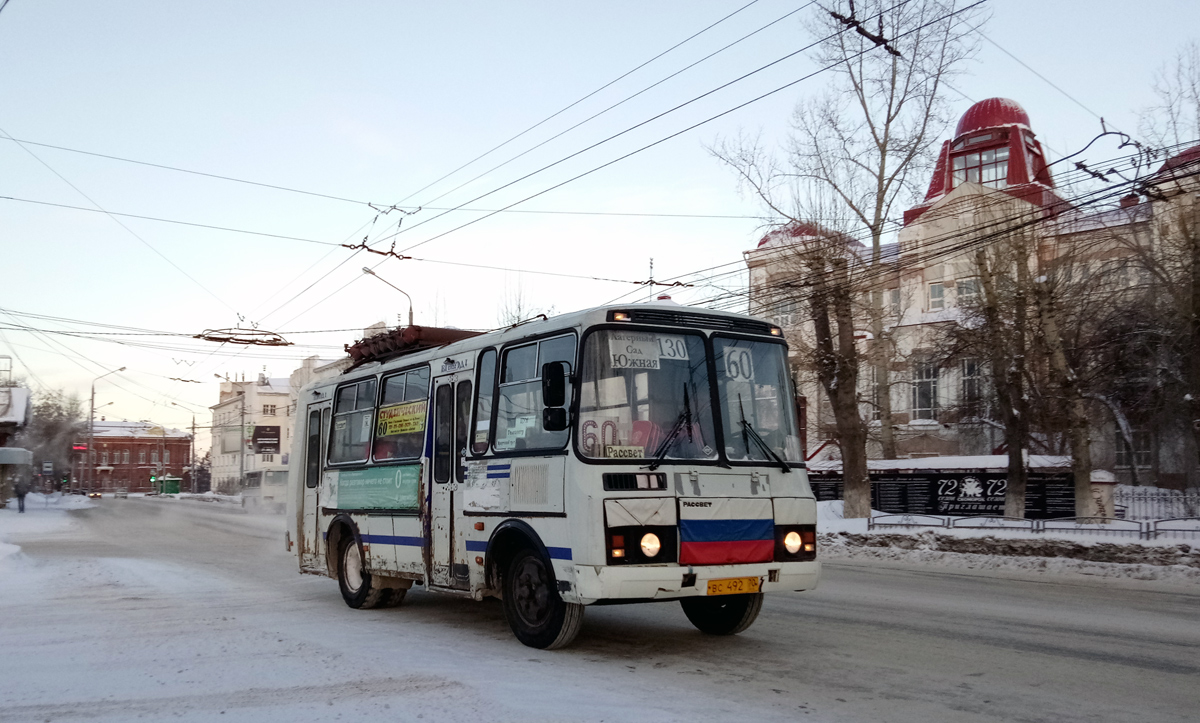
650 544
791 542
795 543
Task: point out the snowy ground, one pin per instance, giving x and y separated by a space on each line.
162 609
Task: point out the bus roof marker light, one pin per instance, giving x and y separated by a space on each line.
620 316
776 331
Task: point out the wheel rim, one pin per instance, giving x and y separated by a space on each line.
531 592
352 568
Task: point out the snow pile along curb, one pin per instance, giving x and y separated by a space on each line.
1107 559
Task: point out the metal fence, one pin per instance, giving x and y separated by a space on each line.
1184 528
1152 503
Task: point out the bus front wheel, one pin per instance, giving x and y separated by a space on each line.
724 614
536 612
359 588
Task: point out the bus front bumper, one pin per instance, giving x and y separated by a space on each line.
645 582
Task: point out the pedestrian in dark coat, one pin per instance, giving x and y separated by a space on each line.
22 489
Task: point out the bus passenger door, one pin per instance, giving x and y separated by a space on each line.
317 424
451 415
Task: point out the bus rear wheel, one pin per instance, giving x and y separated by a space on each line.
722 614
359 588
536 612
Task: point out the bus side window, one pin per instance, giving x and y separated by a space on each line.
400 423
443 432
486 385
353 414
519 413
462 420
312 468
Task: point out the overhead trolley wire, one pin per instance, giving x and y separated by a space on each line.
554 115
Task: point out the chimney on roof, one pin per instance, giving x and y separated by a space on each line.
1130 200
262 379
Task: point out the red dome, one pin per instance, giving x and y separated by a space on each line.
991 113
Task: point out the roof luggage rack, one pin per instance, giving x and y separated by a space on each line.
405 340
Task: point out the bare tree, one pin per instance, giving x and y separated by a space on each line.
1174 118
870 138
863 143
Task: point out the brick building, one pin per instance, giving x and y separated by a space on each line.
126 454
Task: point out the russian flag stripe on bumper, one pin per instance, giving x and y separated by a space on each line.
725 530
726 553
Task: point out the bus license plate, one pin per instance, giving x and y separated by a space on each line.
733 585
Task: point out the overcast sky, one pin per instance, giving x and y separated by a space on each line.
375 102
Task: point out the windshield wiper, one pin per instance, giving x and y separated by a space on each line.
685 418
749 430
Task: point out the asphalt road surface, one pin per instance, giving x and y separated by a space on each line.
162 609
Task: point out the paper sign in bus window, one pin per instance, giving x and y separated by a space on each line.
739 364
401 419
636 350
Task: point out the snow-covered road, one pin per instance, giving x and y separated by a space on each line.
165 609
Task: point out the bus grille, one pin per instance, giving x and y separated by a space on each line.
699 321
622 481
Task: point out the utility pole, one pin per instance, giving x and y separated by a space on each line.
242 443
192 454
91 451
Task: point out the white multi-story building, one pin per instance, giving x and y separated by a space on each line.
251 431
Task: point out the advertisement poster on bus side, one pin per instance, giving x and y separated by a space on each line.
379 488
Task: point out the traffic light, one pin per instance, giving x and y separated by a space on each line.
152 479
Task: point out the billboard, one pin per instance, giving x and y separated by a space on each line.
265 439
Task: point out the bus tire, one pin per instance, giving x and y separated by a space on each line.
358 586
724 614
536 612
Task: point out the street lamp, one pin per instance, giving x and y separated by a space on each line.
91 450
191 446
370 272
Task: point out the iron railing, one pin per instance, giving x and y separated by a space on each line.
1183 528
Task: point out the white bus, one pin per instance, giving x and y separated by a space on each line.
615 455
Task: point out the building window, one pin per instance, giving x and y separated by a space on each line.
893 298
104 459
967 291
166 456
154 457
125 456
1140 454
937 296
785 313
989 168
925 390
141 456
268 410
972 382
268 458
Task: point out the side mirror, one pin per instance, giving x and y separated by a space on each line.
554 419
554 384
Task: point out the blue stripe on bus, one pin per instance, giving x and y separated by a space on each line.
497 475
559 553
500 466
393 540
725 530
477 545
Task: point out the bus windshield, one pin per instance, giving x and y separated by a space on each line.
756 410
645 395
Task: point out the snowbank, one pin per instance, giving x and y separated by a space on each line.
1006 549
1174 563
54 500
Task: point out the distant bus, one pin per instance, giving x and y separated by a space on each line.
616 455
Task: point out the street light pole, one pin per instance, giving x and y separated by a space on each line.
91 450
370 272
